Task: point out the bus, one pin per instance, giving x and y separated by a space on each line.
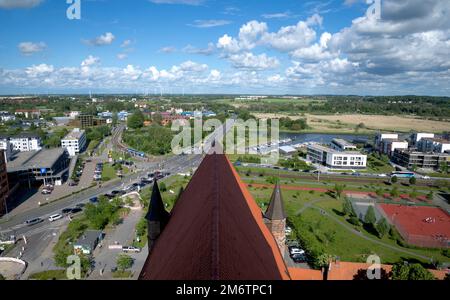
400 174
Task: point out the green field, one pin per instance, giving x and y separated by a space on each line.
335 233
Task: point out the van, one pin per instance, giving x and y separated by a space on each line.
54 218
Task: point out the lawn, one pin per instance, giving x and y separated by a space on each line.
49 275
108 173
337 239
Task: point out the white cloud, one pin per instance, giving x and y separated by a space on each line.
282 15
202 51
38 70
125 44
122 56
9 4
29 48
102 40
248 60
89 61
209 23
168 49
289 38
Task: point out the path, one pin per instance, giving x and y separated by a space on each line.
361 235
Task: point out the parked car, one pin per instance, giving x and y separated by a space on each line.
93 200
295 250
299 258
80 205
54 218
46 192
34 221
66 211
131 249
76 210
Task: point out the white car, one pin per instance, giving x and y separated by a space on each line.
288 230
426 177
382 175
131 249
54 218
295 250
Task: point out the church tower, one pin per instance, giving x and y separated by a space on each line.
276 218
157 217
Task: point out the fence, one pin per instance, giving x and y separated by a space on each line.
433 241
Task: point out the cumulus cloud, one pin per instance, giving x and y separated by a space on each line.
29 48
102 40
248 60
10 4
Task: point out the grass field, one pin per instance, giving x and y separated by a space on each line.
340 240
373 123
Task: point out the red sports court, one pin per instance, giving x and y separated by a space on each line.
419 225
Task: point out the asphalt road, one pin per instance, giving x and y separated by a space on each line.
173 165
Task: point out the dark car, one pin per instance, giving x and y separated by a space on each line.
66 211
110 196
298 258
93 200
150 175
80 205
76 210
34 221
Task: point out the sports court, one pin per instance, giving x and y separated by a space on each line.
419 225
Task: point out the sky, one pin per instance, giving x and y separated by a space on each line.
400 47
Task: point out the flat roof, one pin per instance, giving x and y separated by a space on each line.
343 143
332 151
74 135
34 159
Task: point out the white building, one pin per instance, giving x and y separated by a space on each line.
7 147
388 146
380 137
336 159
417 137
23 142
74 142
342 145
433 145
5 117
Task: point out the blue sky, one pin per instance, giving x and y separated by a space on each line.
212 46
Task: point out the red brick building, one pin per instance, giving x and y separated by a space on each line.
216 231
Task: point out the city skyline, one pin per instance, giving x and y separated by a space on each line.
229 47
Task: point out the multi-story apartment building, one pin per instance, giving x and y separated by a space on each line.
4 187
336 159
388 146
433 145
425 160
380 137
23 142
417 137
74 142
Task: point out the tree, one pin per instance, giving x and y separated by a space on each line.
162 187
136 120
347 207
412 181
379 193
382 227
405 271
394 179
395 193
338 190
413 194
362 275
370 217
430 195
124 262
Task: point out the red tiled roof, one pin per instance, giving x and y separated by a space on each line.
348 270
216 231
305 274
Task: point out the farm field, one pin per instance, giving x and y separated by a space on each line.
372 123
